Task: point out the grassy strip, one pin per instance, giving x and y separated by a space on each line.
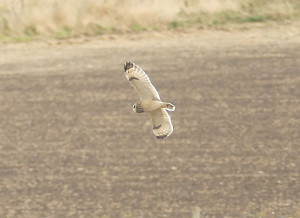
223 19
252 11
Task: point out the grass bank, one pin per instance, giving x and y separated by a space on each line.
24 20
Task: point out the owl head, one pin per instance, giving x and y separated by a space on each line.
137 107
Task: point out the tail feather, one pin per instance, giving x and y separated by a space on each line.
169 106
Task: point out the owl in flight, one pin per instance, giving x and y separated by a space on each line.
149 101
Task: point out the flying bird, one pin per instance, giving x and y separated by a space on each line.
150 101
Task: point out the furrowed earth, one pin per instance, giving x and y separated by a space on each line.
71 146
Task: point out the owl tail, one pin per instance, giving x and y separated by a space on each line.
169 106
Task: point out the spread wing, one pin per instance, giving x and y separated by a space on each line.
161 123
140 81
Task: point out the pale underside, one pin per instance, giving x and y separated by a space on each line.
161 121
141 83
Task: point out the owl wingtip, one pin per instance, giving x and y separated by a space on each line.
161 136
128 65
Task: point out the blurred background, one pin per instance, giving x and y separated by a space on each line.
28 19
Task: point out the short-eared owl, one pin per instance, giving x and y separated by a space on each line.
149 101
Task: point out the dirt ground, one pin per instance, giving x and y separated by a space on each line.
71 146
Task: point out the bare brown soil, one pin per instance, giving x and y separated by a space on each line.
71 146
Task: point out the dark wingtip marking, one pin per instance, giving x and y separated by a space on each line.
128 65
161 136
157 127
132 78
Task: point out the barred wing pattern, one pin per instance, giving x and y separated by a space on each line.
141 82
161 122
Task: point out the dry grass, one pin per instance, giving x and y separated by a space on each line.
69 18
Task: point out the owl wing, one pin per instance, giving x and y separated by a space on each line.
161 123
140 81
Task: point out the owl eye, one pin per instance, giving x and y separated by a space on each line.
134 106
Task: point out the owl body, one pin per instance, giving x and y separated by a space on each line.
151 105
